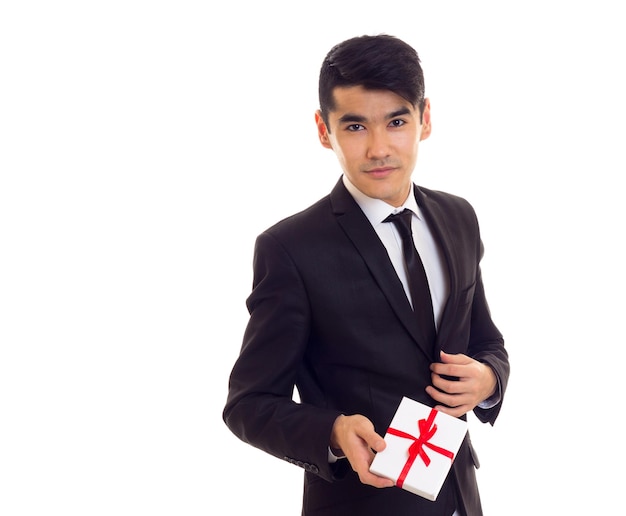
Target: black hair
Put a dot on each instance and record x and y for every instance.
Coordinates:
(380, 62)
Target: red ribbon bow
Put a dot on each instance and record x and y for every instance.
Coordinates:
(427, 428)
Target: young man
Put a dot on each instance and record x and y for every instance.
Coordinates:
(333, 311)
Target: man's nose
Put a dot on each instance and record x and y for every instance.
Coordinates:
(378, 144)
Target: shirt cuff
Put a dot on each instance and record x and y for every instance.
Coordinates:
(492, 400)
(332, 458)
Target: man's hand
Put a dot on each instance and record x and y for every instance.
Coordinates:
(356, 438)
(476, 383)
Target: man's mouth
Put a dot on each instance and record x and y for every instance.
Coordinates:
(380, 171)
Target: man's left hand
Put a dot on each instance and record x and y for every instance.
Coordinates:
(476, 382)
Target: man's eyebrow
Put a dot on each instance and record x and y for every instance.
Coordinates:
(353, 118)
(399, 112)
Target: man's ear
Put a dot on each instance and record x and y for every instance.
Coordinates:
(322, 130)
(426, 125)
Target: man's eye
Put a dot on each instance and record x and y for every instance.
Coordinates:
(397, 123)
(355, 127)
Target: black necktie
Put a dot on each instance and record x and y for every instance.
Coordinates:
(418, 283)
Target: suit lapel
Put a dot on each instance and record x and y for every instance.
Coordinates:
(444, 237)
(359, 230)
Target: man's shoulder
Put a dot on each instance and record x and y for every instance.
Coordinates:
(447, 202)
(441, 197)
(446, 206)
(313, 215)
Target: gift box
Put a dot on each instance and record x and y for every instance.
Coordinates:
(421, 445)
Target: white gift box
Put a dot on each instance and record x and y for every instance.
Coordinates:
(421, 446)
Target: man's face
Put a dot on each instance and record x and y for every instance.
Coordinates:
(375, 135)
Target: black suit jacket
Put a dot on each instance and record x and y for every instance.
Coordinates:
(329, 316)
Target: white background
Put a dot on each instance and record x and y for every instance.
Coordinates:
(143, 145)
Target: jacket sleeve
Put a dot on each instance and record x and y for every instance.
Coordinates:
(487, 345)
(260, 407)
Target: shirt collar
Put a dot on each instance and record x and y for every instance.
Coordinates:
(377, 210)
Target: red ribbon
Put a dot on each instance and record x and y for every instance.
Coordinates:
(427, 428)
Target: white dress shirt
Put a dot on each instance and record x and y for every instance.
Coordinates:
(376, 212)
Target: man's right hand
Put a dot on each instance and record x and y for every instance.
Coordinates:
(357, 440)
